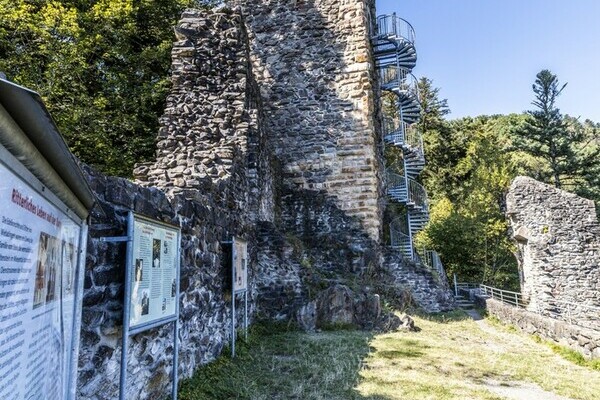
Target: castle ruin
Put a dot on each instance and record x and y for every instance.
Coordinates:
(272, 133)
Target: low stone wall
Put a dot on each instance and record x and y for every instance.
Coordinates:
(205, 310)
(585, 341)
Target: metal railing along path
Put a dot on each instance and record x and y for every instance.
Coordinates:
(578, 314)
(431, 260)
(505, 296)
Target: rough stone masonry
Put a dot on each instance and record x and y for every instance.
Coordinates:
(558, 241)
(313, 65)
(269, 135)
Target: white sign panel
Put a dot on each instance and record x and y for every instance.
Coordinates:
(153, 275)
(38, 259)
(240, 265)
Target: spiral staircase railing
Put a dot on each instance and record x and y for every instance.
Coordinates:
(399, 235)
(394, 42)
(395, 56)
(393, 26)
(417, 196)
(399, 80)
(396, 186)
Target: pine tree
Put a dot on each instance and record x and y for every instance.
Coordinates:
(547, 135)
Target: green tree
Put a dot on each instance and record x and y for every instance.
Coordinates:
(467, 226)
(101, 66)
(444, 146)
(549, 136)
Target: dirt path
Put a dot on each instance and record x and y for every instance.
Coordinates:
(512, 390)
(521, 391)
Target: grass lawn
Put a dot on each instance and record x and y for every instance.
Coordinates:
(452, 357)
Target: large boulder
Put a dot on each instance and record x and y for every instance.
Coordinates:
(335, 306)
(340, 306)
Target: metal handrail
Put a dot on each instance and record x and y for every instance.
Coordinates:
(392, 26)
(399, 235)
(573, 313)
(431, 260)
(400, 132)
(395, 181)
(396, 78)
(505, 296)
(417, 194)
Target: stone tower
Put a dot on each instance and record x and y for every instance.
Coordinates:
(313, 64)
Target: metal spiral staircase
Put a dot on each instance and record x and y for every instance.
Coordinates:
(395, 57)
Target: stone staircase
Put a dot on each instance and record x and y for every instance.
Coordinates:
(464, 302)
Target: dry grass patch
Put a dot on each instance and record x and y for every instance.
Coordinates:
(451, 358)
(455, 358)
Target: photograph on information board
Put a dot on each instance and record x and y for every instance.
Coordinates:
(153, 290)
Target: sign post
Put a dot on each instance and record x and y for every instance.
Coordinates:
(151, 284)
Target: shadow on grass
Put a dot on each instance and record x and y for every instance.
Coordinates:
(281, 363)
(392, 354)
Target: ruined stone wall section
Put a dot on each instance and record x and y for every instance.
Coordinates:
(313, 64)
(205, 312)
(429, 291)
(210, 138)
(558, 240)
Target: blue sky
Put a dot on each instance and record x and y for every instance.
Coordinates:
(484, 54)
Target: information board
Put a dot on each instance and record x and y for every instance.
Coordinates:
(240, 265)
(153, 273)
(39, 245)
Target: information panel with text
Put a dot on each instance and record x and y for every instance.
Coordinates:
(39, 247)
(154, 272)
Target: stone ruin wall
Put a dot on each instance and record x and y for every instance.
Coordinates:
(577, 337)
(313, 64)
(229, 163)
(558, 241)
(204, 303)
(211, 141)
(213, 177)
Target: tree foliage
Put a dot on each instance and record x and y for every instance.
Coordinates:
(565, 145)
(468, 227)
(101, 66)
(471, 162)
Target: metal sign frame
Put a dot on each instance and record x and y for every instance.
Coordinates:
(127, 331)
(234, 293)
